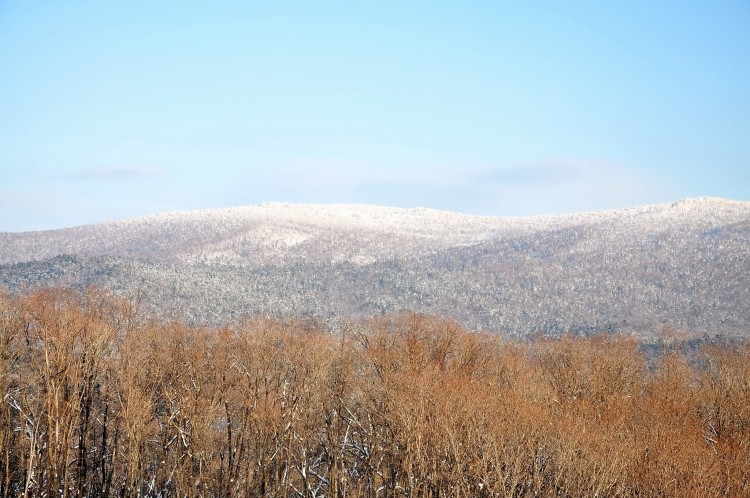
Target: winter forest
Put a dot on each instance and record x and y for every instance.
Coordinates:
(98, 401)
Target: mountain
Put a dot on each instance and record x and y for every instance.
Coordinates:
(683, 266)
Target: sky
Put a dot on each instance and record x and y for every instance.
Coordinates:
(111, 110)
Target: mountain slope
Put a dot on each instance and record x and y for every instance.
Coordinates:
(680, 266)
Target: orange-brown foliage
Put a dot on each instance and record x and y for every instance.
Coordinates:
(98, 403)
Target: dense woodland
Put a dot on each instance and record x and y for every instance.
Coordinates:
(97, 401)
(684, 265)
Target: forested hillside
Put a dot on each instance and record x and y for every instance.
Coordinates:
(682, 266)
(98, 401)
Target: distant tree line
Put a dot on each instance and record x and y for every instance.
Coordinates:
(97, 402)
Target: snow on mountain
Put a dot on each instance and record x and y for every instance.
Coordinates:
(275, 233)
(682, 265)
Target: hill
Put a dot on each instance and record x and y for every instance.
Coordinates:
(681, 266)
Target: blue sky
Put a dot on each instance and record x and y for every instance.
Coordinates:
(116, 109)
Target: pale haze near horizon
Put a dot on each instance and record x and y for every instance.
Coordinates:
(113, 110)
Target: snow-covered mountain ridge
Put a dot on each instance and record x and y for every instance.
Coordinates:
(682, 265)
(275, 233)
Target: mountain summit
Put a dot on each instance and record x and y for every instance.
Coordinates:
(679, 266)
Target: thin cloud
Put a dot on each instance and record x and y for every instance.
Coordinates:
(577, 186)
(117, 173)
(535, 174)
